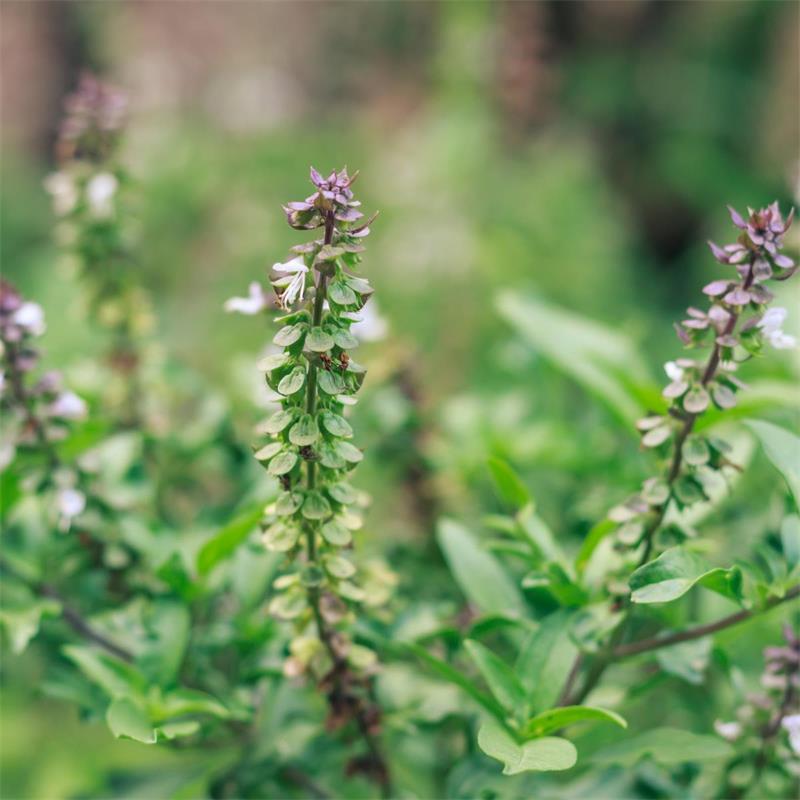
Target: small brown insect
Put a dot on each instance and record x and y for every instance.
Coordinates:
(344, 360)
(326, 361)
(307, 453)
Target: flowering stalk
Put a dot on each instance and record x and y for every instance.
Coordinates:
(87, 193)
(736, 326)
(767, 728)
(310, 453)
(36, 415)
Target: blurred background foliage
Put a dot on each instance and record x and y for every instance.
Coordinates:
(577, 154)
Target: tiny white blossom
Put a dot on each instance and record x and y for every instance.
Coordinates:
(30, 317)
(68, 406)
(771, 324)
(728, 730)
(61, 187)
(71, 502)
(255, 303)
(294, 281)
(791, 724)
(674, 372)
(100, 193)
(369, 325)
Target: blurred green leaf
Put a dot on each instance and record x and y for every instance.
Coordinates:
(688, 660)
(224, 543)
(546, 659)
(603, 361)
(452, 675)
(675, 571)
(168, 627)
(783, 450)
(538, 755)
(557, 718)
(480, 576)
(500, 678)
(113, 676)
(509, 487)
(790, 540)
(128, 721)
(668, 746)
(22, 624)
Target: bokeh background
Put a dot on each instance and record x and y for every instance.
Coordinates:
(581, 152)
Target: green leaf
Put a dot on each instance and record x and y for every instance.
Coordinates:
(318, 341)
(557, 718)
(456, 677)
(511, 489)
(182, 701)
(282, 463)
(335, 533)
(168, 625)
(128, 721)
(603, 361)
(478, 573)
(345, 339)
(330, 382)
(223, 544)
(277, 422)
(349, 452)
(500, 678)
(790, 540)
(341, 294)
(316, 506)
(546, 659)
(668, 746)
(113, 676)
(539, 755)
(304, 432)
(336, 425)
(289, 334)
(22, 624)
(293, 382)
(687, 660)
(592, 541)
(783, 450)
(675, 571)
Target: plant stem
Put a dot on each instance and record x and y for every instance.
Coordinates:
(72, 617)
(657, 642)
(326, 634)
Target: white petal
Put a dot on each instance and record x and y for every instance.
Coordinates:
(68, 406)
(791, 725)
(782, 341)
(253, 304)
(773, 319)
(728, 730)
(62, 189)
(100, 193)
(294, 266)
(674, 372)
(30, 316)
(71, 502)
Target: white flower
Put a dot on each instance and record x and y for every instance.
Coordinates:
(61, 187)
(674, 372)
(30, 317)
(771, 324)
(68, 406)
(791, 725)
(100, 193)
(70, 503)
(294, 282)
(254, 304)
(728, 730)
(369, 325)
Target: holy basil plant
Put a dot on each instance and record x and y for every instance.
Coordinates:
(609, 601)
(308, 447)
